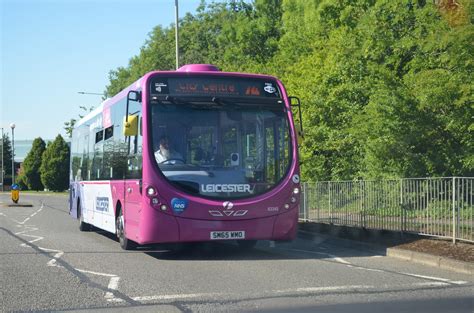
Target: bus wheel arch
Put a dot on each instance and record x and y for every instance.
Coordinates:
(118, 207)
(125, 243)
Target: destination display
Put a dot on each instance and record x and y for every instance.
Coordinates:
(216, 87)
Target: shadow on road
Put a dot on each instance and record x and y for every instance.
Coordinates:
(306, 246)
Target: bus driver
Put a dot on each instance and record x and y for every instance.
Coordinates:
(165, 153)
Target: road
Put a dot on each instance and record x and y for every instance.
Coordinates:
(47, 264)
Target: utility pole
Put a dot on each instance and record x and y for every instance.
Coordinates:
(176, 33)
(12, 125)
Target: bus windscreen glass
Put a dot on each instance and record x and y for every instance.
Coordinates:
(221, 150)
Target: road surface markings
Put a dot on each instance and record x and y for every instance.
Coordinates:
(113, 285)
(308, 291)
(350, 265)
(28, 229)
(176, 297)
(453, 282)
(335, 258)
(53, 261)
(323, 289)
(32, 215)
(113, 281)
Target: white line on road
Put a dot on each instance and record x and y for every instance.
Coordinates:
(300, 290)
(348, 264)
(454, 282)
(114, 279)
(366, 269)
(27, 230)
(176, 297)
(335, 258)
(431, 284)
(113, 285)
(325, 289)
(28, 218)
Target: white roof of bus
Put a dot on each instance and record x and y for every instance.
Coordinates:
(91, 114)
(98, 110)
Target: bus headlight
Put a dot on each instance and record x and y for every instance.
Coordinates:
(286, 206)
(293, 200)
(163, 207)
(296, 190)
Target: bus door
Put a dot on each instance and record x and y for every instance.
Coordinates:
(133, 174)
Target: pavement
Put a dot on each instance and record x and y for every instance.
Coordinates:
(432, 260)
(382, 240)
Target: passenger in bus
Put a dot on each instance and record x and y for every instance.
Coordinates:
(166, 153)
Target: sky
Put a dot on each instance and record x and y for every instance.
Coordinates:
(52, 49)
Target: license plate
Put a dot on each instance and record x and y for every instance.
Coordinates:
(223, 235)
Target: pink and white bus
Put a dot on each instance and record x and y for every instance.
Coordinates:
(228, 168)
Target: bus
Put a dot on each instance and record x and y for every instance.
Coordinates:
(231, 171)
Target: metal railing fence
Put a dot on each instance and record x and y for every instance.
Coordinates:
(440, 207)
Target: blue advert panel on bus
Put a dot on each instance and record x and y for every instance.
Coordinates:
(222, 87)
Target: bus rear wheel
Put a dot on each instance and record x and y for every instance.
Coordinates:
(125, 243)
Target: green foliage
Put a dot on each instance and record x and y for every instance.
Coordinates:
(387, 89)
(386, 86)
(20, 180)
(31, 166)
(69, 125)
(7, 155)
(55, 165)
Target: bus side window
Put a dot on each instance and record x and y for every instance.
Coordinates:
(134, 140)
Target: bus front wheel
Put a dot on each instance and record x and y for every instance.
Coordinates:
(125, 243)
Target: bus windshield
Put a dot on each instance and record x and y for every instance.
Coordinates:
(221, 149)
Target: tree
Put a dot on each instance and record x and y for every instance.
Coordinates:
(69, 126)
(55, 165)
(7, 158)
(32, 164)
(386, 86)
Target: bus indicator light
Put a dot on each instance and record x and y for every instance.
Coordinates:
(155, 201)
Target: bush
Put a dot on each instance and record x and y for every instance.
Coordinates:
(55, 165)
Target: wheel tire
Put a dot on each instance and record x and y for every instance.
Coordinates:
(125, 243)
(246, 244)
(83, 226)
